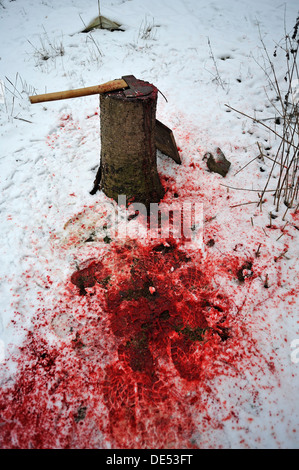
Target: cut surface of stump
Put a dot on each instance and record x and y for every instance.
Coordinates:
(128, 149)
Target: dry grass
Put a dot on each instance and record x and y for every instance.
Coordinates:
(285, 104)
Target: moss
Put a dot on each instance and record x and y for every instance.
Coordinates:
(194, 334)
(81, 413)
(135, 293)
(104, 282)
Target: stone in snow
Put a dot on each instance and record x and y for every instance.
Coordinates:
(218, 163)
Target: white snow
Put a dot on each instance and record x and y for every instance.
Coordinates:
(201, 56)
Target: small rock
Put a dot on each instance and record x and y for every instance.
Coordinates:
(218, 164)
(81, 413)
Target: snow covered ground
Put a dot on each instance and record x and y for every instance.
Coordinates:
(69, 376)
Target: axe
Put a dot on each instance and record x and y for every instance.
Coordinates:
(131, 88)
(128, 84)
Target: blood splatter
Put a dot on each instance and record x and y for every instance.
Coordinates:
(130, 365)
(128, 355)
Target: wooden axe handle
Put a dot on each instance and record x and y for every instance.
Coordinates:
(91, 90)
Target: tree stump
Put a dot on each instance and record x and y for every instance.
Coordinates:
(128, 149)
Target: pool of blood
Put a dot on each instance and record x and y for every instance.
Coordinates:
(144, 330)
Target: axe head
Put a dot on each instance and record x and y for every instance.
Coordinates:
(135, 87)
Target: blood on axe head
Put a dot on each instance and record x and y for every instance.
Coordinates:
(135, 88)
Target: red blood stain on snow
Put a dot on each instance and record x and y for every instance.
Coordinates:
(65, 125)
(140, 334)
(127, 357)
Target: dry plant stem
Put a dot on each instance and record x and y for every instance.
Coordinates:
(271, 171)
(146, 30)
(256, 120)
(16, 95)
(217, 77)
(281, 255)
(283, 184)
(14, 85)
(257, 253)
(247, 189)
(272, 160)
(90, 35)
(21, 119)
(288, 207)
(266, 284)
(241, 169)
(286, 186)
(245, 203)
(282, 231)
(287, 154)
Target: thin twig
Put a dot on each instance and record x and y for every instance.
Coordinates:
(91, 37)
(246, 165)
(281, 255)
(257, 121)
(245, 203)
(282, 231)
(21, 119)
(247, 189)
(217, 77)
(257, 253)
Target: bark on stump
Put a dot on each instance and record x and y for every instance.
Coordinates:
(128, 149)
